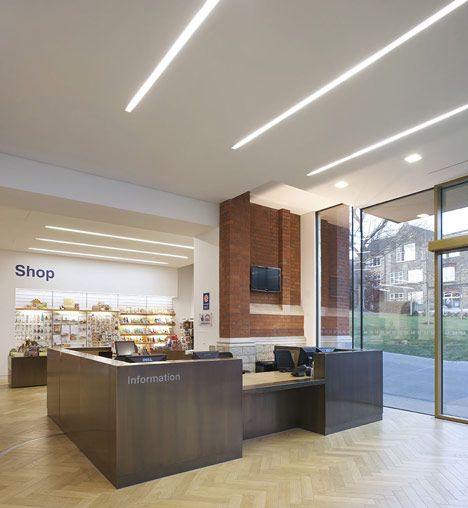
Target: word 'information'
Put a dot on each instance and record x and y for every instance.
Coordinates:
(163, 378)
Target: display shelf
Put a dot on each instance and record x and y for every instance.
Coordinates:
(145, 334)
(146, 314)
(83, 326)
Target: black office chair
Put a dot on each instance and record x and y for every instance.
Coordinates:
(284, 360)
(225, 354)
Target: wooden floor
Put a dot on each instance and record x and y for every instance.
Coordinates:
(408, 460)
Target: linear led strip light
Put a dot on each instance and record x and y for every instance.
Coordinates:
(115, 258)
(121, 249)
(118, 237)
(180, 42)
(391, 139)
(352, 72)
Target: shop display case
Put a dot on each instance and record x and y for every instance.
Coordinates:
(103, 327)
(69, 328)
(34, 325)
(149, 330)
(51, 318)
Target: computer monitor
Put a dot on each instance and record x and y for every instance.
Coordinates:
(125, 347)
(306, 356)
(145, 358)
(205, 355)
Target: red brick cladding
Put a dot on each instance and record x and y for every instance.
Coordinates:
(251, 234)
(335, 276)
(276, 326)
(275, 240)
(234, 267)
(264, 246)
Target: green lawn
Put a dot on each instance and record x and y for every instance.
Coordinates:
(412, 335)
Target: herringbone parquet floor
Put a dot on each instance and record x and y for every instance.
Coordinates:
(408, 460)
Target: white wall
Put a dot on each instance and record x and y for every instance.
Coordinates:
(73, 274)
(183, 304)
(206, 279)
(308, 276)
(32, 176)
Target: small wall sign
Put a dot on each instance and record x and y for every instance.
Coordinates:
(28, 271)
(206, 301)
(205, 319)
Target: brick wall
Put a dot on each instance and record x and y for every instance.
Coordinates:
(264, 246)
(276, 326)
(251, 234)
(335, 291)
(234, 267)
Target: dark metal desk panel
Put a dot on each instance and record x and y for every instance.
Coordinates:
(138, 422)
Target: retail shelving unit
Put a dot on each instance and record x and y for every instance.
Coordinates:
(147, 329)
(41, 317)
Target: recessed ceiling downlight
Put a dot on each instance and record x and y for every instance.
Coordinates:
(423, 215)
(341, 184)
(118, 237)
(99, 256)
(352, 72)
(107, 247)
(414, 157)
(391, 139)
(180, 42)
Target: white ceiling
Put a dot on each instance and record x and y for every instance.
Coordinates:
(69, 68)
(21, 226)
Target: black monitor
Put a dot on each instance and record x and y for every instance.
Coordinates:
(145, 358)
(125, 347)
(306, 356)
(205, 355)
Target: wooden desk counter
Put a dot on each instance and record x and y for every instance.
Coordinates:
(345, 391)
(262, 382)
(137, 422)
(141, 421)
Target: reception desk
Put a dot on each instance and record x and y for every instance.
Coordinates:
(138, 422)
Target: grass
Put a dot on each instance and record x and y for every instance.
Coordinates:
(413, 335)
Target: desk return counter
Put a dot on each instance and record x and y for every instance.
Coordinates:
(137, 422)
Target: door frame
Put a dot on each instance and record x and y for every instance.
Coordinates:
(440, 246)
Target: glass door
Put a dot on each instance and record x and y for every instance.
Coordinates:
(451, 267)
(454, 336)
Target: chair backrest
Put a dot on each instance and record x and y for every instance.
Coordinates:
(205, 355)
(225, 354)
(283, 359)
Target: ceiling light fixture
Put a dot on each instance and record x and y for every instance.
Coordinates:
(115, 258)
(391, 139)
(118, 237)
(341, 184)
(414, 157)
(121, 249)
(180, 42)
(423, 215)
(352, 72)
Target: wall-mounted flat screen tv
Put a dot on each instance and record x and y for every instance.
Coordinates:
(265, 278)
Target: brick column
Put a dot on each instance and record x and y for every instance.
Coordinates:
(284, 236)
(234, 267)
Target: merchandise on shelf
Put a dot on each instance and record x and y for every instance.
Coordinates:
(103, 327)
(29, 348)
(69, 326)
(186, 333)
(33, 325)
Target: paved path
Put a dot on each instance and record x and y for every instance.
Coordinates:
(409, 384)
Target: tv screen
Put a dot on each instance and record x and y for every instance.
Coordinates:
(265, 278)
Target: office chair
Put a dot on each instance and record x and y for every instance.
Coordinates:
(225, 354)
(283, 360)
